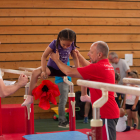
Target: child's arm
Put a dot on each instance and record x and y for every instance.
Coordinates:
(75, 58)
(124, 101)
(44, 57)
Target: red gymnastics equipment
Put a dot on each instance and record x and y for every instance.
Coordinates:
(96, 122)
(15, 119)
(71, 96)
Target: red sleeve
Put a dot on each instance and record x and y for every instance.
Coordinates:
(88, 72)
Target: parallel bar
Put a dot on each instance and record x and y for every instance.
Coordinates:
(131, 81)
(28, 69)
(16, 72)
(110, 87)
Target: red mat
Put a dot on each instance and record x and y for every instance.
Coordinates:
(130, 135)
(14, 136)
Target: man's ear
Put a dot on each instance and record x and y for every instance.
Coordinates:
(100, 55)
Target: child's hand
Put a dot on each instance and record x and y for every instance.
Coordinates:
(123, 106)
(133, 107)
(44, 75)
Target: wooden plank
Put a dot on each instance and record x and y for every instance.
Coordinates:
(78, 29)
(21, 92)
(68, 13)
(16, 65)
(44, 115)
(68, 21)
(83, 47)
(13, 77)
(37, 56)
(26, 64)
(69, 4)
(80, 38)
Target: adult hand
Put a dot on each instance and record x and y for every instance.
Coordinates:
(44, 75)
(54, 56)
(77, 52)
(22, 80)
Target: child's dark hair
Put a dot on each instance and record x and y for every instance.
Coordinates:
(66, 34)
(117, 77)
(133, 74)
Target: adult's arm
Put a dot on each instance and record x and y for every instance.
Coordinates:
(72, 72)
(82, 60)
(8, 90)
(75, 59)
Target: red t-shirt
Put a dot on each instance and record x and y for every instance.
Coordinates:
(101, 71)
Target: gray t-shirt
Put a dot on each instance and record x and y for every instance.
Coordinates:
(121, 67)
(63, 54)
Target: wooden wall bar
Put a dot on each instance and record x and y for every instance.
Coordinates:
(28, 26)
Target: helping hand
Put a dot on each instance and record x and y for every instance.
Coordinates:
(54, 56)
(22, 80)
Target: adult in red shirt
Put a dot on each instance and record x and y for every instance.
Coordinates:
(99, 70)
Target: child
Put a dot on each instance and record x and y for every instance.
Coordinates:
(121, 124)
(130, 102)
(65, 45)
(117, 79)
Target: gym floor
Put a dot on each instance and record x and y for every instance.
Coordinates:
(49, 125)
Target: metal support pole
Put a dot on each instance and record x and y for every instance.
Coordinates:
(71, 96)
(30, 114)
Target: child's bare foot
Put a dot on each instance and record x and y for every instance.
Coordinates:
(29, 100)
(85, 98)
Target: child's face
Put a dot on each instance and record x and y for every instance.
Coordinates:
(65, 43)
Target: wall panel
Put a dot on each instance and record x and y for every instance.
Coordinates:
(28, 26)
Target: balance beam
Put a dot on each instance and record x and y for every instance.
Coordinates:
(131, 81)
(16, 72)
(110, 87)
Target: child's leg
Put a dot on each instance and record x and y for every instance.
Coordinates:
(129, 118)
(84, 97)
(33, 84)
(135, 117)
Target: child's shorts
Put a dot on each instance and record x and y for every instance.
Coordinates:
(130, 107)
(55, 72)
